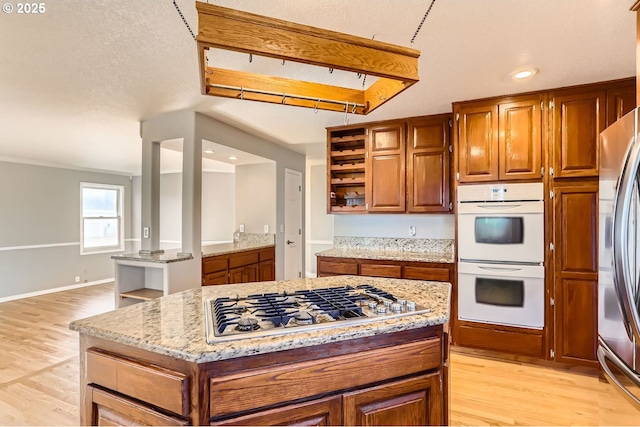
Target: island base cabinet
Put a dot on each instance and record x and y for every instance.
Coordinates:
(323, 412)
(108, 409)
(414, 402)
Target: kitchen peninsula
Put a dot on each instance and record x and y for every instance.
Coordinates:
(150, 363)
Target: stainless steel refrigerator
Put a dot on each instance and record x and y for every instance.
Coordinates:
(619, 256)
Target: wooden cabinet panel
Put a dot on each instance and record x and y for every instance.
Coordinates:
(219, 278)
(478, 142)
(251, 273)
(281, 383)
(620, 101)
(267, 271)
(578, 117)
(323, 412)
(106, 409)
(139, 380)
(386, 168)
(214, 264)
(427, 164)
(337, 266)
(381, 270)
(506, 339)
(426, 273)
(520, 139)
(413, 402)
(243, 258)
(236, 275)
(575, 272)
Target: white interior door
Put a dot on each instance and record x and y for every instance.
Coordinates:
(293, 224)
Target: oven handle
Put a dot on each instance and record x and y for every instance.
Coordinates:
(499, 268)
(498, 206)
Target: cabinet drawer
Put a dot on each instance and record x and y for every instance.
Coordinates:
(267, 254)
(243, 259)
(265, 387)
(427, 273)
(139, 380)
(214, 264)
(336, 267)
(381, 270)
(219, 278)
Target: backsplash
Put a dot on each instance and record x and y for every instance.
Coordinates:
(255, 238)
(394, 244)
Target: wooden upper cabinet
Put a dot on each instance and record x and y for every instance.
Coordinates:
(578, 117)
(500, 139)
(620, 101)
(478, 141)
(428, 188)
(520, 138)
(385, 187)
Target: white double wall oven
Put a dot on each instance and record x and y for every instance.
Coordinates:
(501, 254)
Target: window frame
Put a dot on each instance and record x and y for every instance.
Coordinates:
(119, 218)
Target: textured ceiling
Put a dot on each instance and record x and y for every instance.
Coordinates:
(76, 80)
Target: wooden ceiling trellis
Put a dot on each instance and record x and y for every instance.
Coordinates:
(222, 28)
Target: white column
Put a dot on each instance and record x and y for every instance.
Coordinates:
(192, 194)
(150, 192)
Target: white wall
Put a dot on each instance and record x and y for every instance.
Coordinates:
(256, 197)
(218, 200)
(40, 229)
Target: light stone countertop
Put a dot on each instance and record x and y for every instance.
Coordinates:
(387, 254)
(174, 325)
(171, 255)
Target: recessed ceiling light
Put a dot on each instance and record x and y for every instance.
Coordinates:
(209, 151)
(233, 158)
(523, 74)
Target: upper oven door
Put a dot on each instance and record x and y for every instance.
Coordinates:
(501, 231)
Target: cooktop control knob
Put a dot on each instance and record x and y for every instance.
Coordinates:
(411, 305)
(372, 305)
(387, 303)
(381, 309)
(401, 301)
(395, 307)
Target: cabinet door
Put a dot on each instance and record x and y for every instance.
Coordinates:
(477, 142)
(578, 117)
(428, 164)
(237, 275)
(576, 272)
(520, 138)
(412, 402)
(324, 412)
(219, 278)
(106, 409)
(251, 273)
(385, 170)
(620, 101)
(267, 271)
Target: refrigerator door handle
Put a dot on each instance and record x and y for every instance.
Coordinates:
(622, 277)
(604, 356)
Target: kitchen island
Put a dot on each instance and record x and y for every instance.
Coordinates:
(150, 363)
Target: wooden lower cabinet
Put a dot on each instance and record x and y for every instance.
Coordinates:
(575, 279)
(409, 402)
(108, 409)
(438, 272)
(321, 412)
(257, 265)
(397, 378)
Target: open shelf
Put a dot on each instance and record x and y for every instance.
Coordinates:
(144, 294)
(347, 170)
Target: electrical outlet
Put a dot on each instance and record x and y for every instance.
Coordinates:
(412, 230)
(145, 232)
(266, 229)
(77, 279)
(242, 228)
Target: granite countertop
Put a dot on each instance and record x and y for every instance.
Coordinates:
(171, 255)
(229, 248)
(174, 325)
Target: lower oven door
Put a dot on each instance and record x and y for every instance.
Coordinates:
(502, 294)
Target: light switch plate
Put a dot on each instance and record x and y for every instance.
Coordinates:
(242, 228)
(266, 229)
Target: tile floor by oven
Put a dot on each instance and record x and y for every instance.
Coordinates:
(39, 375)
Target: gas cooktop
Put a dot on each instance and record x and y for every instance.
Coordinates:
(232, 318)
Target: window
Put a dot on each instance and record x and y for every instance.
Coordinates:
(101, 228)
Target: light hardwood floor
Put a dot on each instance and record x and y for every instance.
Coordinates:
(39, 375)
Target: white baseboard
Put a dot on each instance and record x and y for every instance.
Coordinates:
(53, 290)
